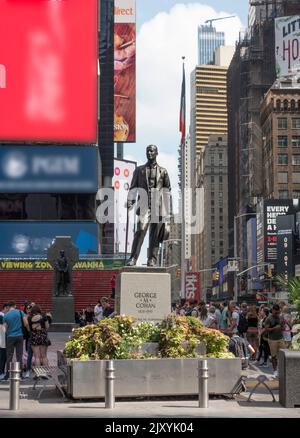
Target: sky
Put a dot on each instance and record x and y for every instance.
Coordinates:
(166, 31)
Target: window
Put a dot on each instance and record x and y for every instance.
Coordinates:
(220, 179)
(212, 243)
(212, 235)
(212, 178)
(221, 156)
(296, 177)
(278, 105)
(282, 123)
(296, 123)
(221, 243)
(282, 141)
(293, 105)
(283, 159)
(282, 177)
(221, 218)
(220, 194)
(296, 194)
(283, 194)
(212, 202)
(212, 210)
(296, 141)
(221, 210)
(285, 105)
(212, 195)
(296, 160)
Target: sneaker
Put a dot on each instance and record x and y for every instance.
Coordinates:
(26, 375)
(264, 365)
(275, 375)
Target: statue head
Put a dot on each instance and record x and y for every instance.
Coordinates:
(151, 152)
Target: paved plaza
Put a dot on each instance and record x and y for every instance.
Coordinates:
(52, 405)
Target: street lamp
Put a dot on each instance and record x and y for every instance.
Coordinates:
(235, 250)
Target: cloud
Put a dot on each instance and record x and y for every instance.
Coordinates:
(161, 42)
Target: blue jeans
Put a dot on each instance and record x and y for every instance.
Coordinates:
(29, 356)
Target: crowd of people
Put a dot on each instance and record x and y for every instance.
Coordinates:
(254, 332)
(93, 314)
(260, 331)
(23, 331)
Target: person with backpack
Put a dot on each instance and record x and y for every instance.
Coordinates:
(240, 347)
(243, 321)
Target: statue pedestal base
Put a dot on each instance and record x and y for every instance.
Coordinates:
(63, 313)
(144, 293)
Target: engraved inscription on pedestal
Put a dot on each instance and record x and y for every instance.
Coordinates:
(145, 296)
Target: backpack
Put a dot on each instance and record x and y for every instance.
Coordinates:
(238, 348)
(243, 323)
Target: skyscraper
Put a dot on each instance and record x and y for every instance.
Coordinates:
(208, 41)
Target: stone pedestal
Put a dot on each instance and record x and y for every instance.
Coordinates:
(289, 378)
(144, 293)
(63, 314)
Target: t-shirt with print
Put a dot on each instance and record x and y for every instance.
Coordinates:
(272, 321)
(14, 323)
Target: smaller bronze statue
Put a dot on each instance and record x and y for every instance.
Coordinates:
(61, 267)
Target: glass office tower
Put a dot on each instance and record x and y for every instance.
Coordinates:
(208, 41)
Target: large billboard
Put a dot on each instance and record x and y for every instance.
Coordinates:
(48, 71)
(125, 72)
(33, 238)
(48, 169)
(123, 172)
(267, 213)
(287, 45)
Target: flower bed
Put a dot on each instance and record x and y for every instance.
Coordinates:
(121, 338)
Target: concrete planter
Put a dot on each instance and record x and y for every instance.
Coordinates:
(289, 378)
(151, 377)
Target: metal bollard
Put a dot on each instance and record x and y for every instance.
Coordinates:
(203, 383)
(109, 385)
(14, 385)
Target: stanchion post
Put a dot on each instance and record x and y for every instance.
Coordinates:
(14, 385)
(109, 385)
(203, 383)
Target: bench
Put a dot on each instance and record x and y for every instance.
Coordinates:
(48, 375)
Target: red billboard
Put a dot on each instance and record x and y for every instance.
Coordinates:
(48, 70)
(125, 72)
(192, 286)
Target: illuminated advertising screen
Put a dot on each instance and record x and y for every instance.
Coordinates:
(48, 169)
(287, 45)
(125, 72)
(33, 238)
(123, 172)
(48, 71)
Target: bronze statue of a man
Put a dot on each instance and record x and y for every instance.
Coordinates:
(62, 274)
(152, 182)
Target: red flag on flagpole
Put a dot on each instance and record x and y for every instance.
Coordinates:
(182, 108)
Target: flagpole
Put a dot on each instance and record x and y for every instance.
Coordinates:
(182, 127)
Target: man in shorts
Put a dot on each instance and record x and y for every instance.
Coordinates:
(274, 326)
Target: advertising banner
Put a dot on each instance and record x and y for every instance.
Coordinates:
(33, 238)
(48, 169)
(40, 265)
(287, 45)
(267, 237)
(286, 257)
(192, 286)
(123, 172)
(125, 72)
(48, 71)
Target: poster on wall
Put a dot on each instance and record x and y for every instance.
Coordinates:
(48, 71)
(125, 72)
(287, 45)
(123, 172)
